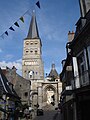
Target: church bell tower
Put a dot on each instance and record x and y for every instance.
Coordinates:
(32, 64)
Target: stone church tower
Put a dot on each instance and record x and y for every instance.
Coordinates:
(32, 65)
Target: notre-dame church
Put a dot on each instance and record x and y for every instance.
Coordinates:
(43, 91)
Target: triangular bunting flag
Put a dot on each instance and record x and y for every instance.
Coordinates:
(16, 24)
(2, 36)
(38, 4)
(29, 13)
(6, 33)
(22, 19)
(11, 28)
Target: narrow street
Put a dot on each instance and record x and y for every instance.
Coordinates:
(45, 60)
(49, 115)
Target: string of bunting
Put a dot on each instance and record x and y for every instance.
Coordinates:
(16, 23)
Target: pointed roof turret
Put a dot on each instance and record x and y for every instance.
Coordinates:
(53, 72)
(33, 29)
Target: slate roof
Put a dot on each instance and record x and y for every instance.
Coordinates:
(6, 87)
(33, 29)
(53, 72)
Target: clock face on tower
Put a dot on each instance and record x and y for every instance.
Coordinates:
(31, 62)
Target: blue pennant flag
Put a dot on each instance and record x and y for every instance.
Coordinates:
(6, 33)
(16, 23)
(38, 4)
(11, 28)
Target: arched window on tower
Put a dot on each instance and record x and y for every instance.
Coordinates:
(27, 42)
(36, 51)
(30, 74)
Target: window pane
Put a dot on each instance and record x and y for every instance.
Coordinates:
(89, 54)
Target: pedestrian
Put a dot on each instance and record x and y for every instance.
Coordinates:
(11, 115)
(26, 113)
(8, 116)
(16, 114)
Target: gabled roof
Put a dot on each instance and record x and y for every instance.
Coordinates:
(33, 29)
(5, 86)
(4, 83)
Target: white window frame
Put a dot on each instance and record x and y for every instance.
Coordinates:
(84, 80)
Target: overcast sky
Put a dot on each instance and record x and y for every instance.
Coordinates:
(54, 19)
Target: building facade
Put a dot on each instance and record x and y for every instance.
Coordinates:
(21, 85)
(75, 76)
(9, 100)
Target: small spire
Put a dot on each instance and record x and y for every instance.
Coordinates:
(53, 72)
(53, 66)
(33, 29)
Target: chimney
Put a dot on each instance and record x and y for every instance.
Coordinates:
(14, 69)
(70, 36)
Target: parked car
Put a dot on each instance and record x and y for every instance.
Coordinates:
(39, 112)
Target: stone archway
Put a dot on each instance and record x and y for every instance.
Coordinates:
(49, 95)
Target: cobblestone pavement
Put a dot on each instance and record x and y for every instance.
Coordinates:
(49, 115)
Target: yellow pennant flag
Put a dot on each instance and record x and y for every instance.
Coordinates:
(22, 19)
